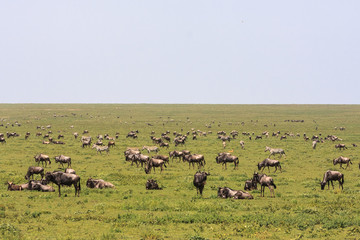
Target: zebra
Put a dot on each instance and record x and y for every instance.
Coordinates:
(151, 149)
(101, 148)
(274, 151)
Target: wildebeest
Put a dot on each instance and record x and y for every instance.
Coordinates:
(164, 145)
(60, 136)
(162, 157)
(195, 158)
(70, 170)
(176, 154)
(151, 184)
(98, 183)
(151, 148)
(225, 158)
(34, 170)
(258, 137)
(153, 163)
(2, 140)
(139, 158)
(42, 158)
(331, 176)
(200, 181)
(67, 179)
(235, 194)
(13, 187)
(342, 160)
(101, 148)
(250, 185)
(265, 181)
(267, 162)
(274, 151)
(314, 144)
(242, 144)
(63, 159)
(111, 144)
(40, 186)
(340, 146)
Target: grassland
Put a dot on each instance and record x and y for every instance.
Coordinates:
(300, 209)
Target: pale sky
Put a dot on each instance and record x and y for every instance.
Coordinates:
(236, 52)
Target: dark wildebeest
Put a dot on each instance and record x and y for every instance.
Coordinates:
(98, 183)
(250, 185)
(269, 163)
(331, 176)
(195, 158)
(235, 194)
(67, 179)
(340, 146)
(274, 151)
(342, 160)
(63, 159)
(153, 163)
(2, 140)
(258, 137)
(225, 158)
(200, 181)
(42, 158)
(265, 181)
(164, 145)
(13, 187)
(60, 136)
(151, 184)
(34, 170)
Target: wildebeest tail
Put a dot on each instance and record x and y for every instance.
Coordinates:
(272, 183)
(164, 164)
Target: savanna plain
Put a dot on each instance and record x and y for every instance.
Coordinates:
(300, 209)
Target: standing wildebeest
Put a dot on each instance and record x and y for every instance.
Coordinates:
(151, 184)
(331, 176)
(2, 140)
(342, 160)
(111, 144)
(265, 181)
(314, 144)
(139, 158)
(63, 159)
(340, 146)
(164, 145)
(200, 181)
(235, 194)
(176, 154)
(274, 151)
(67, 179)
(34, 170)
(153, 163)
(225, 158)
(42, 158)
(101, 148)
(195, 158)
(267, 162)
(98, 183)
(162, 157)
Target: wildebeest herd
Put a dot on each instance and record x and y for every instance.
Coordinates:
(68, 176)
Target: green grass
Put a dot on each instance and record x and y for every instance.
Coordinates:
(300, 209)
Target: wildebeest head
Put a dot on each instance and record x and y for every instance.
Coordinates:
(322, 184)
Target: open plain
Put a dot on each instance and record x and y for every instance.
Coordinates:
(300, 208)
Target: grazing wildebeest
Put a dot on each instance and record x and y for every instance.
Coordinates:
(176, 154)
(67, 179)
(151, 149)
(2, 140)
(265, 181)
(195, 158)
(274, 151)
(225, 158)
(101, 148)
(98, 183)
(153, 163)
(164, 145)
(340, 146)
(267, 162)
(42, 158)
(34, 170)
(76, 135)
(258, 137)
(63, 159)
(13, 187)
(331, 176)
(342, 160)
(250, 185)
(60, 136)
(151, 184)
(200, 181)
(235, 194)
(40, 186)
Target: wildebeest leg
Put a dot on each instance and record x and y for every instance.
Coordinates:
(332, 184)
(268, 168)
(275, 169)
(59, 191)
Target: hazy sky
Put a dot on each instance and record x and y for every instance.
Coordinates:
(170, 51)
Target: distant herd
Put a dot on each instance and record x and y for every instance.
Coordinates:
(68, 177)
